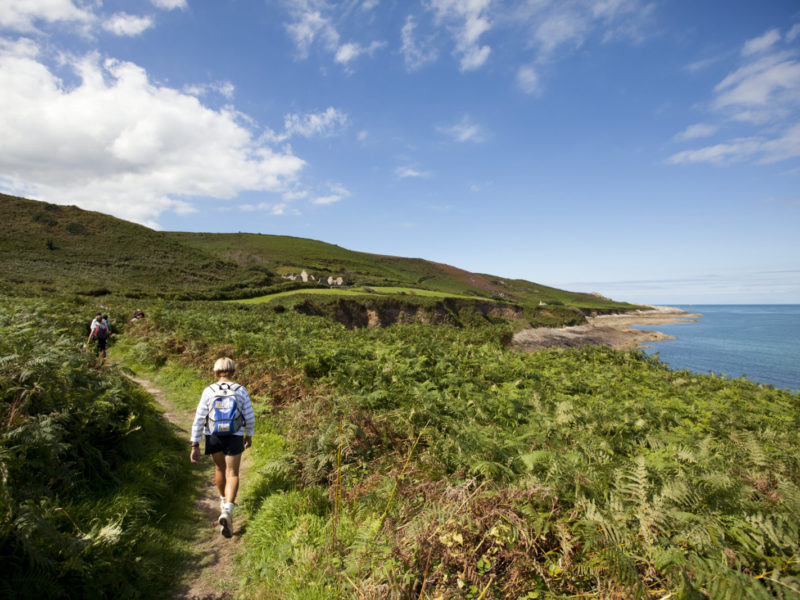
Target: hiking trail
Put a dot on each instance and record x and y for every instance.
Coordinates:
(212, 576)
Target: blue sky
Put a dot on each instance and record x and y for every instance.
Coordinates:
(646, 150)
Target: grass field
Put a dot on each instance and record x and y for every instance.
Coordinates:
(362, 291)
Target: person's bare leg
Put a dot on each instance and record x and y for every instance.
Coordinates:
(220, 471)
(231, 477)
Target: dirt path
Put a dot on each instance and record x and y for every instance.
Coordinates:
(213, 576)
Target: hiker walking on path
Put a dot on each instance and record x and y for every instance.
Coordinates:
(225, 417)
(99, 331)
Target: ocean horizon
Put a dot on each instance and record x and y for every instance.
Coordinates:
(758, 341)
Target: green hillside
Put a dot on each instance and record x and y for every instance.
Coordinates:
(64, 249)
(48, 248)
(290, 255)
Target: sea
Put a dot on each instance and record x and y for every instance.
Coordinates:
(758, 341)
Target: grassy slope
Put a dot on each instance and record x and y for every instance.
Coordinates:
(285, 254)
(63, 249)
(46, 247)
(360, 291)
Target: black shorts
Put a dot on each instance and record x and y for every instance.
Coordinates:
(230, 445)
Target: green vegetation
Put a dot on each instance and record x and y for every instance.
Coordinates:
(431, 460)
(89, 469)
(394, 457)
(51, 249)
(362, 291)
(286, 255)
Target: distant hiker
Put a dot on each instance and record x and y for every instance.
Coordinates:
(98, 332)
(225, 417)
(137, 314)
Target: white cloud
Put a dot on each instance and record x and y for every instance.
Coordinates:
(760, 44)
(468, 20)
(771, 83)
(702, 64)
(293, 194)
(558, 23)
(560, 27)
(21, 15)
(118, 143)
(793, 33)
(325, 200)
(415, 53)
(464, 131)
(312, 24)
(170, 4)
(321, 124)
(528, 79)
(128, 25)
(763, 91)
(335, 193)
(718, 154)
(350, 51)
(762, 150)
(409, 172)
(557, 28)
(696, 131)
(309, 25)
(310, 125)
(276, 210)
(224, 88)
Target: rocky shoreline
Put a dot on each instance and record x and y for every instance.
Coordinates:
(605, 330)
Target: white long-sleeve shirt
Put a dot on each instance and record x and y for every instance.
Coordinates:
(199, 426)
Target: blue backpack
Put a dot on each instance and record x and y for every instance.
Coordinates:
(224, 416)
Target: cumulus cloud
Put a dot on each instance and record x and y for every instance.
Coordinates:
(463, 131)
(118, 143)
(22, 15)
(468, 20)
(123, 24)
(762, 91)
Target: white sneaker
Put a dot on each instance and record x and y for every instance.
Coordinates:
(226, 520)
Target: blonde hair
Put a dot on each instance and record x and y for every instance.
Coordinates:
(224, 365)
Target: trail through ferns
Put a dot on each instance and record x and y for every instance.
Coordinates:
(210, 574)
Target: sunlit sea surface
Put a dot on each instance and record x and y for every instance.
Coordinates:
(758, 341)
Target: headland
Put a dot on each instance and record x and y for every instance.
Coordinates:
(612, 330)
